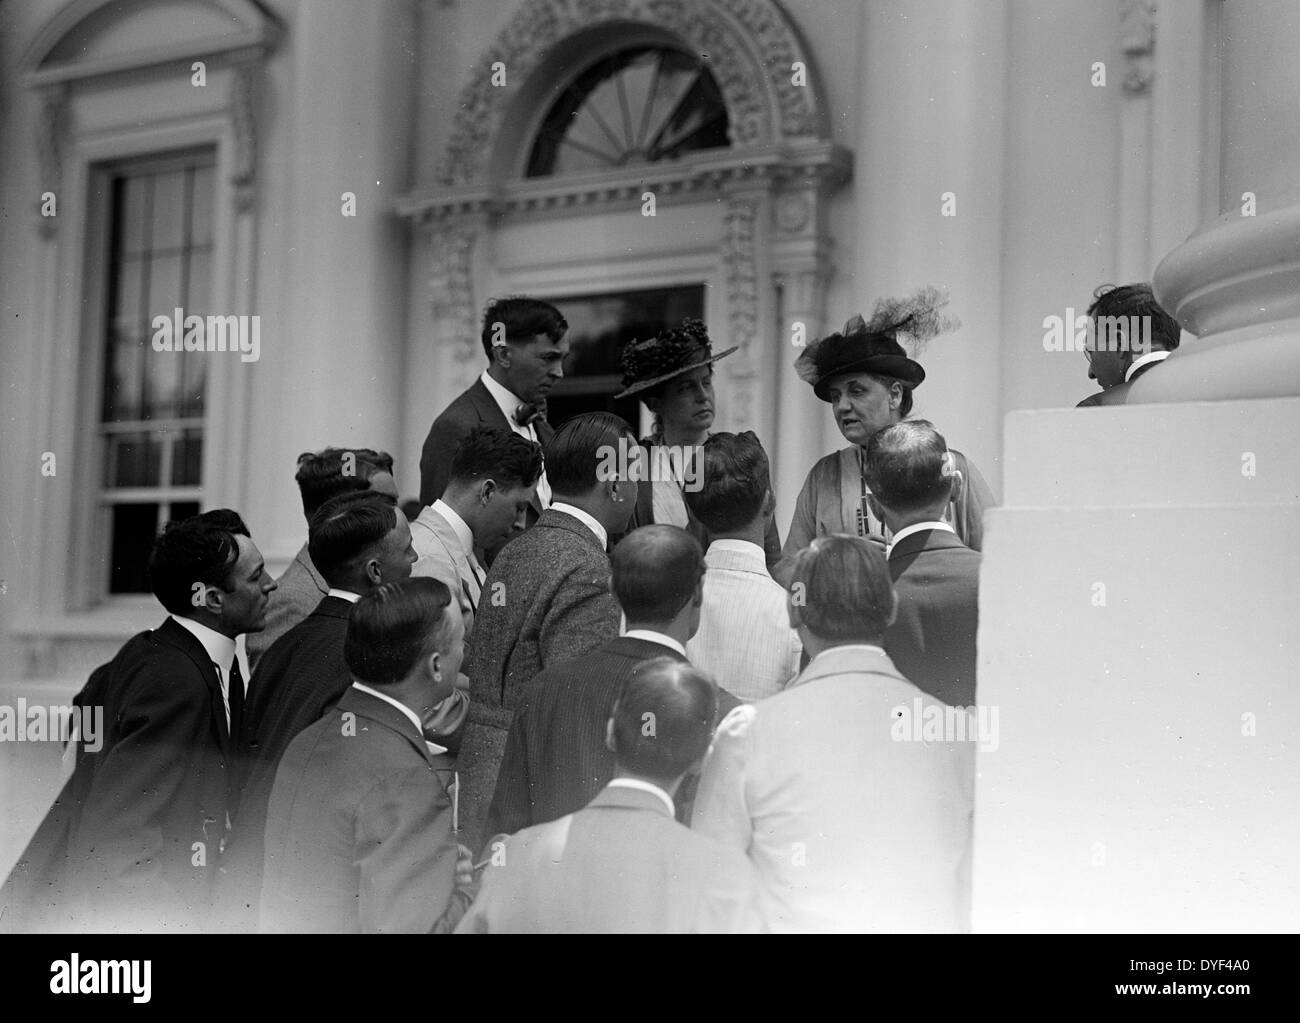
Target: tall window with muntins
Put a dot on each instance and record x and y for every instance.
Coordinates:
(638, 105)
(151, 421)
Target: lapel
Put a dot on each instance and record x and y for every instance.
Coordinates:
(173, 635)
(489, 412)
(446, 536)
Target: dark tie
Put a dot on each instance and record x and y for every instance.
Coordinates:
(236, 701)
(528, 411)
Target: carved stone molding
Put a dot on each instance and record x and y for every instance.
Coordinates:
(1137, 31)
(740, 267)
(451, 287)
(243, 111)
(763, 103)
(51, 144)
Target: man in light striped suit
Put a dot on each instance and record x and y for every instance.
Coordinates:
(744, 640)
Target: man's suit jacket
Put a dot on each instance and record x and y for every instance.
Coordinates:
(622, 865)
(473, 408)
(1117, 395)
(849, 823)
(134, 839)
(932, 640)
(440, 556)
(359, 830)
(546, 599)
(555, 758)
(301, 677)
(298, 590)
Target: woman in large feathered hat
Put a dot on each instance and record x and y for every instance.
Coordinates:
(867, 377)
(672, 373)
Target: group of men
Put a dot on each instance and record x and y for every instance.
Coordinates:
(514, 714)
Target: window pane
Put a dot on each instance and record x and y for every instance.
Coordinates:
(198, 299)
(168, 211)
(164, 285)
(132, 214)
(128, 312)
(123, 396)
(162, 387)
(187, 455)
(201, 232)
(134, 460)
(133, 530)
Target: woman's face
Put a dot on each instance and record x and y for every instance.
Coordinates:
(685, 403)
(863, 405)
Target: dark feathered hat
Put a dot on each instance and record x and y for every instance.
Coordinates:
(670, 353)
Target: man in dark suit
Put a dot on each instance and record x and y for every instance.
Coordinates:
(1131, 336)
(360, 830)
(523, 339)
(300, 588)
(359, 541)
(135, 837)
(935, 575)
(546, 597)
(556, 758)
(622, 864)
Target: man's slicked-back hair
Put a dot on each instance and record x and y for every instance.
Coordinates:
(579, 446)
(523, 318)
(655, 572)
(841, 586)
(664, 718)
(345, 527)
(200, 549)
(907, 466)
(1137, 300)
(500, 455)
(735, 481)
(393, 626)
(321, 476)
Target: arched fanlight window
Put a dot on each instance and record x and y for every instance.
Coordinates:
(635, 106)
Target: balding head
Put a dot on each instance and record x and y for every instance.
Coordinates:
(663, 720)
(909, 469)
(657, 570)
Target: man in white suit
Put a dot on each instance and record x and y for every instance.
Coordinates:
(493, 479)
(623, 864)
(850, 823)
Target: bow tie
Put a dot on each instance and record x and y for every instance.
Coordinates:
(528, 411)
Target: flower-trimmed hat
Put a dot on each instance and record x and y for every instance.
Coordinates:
(873, 347)
(671, 352)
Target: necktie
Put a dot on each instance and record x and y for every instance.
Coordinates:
(236, 701)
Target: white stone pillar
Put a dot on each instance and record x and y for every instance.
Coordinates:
(1236, 282)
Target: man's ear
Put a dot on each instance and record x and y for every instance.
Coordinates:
(486, 489)
(796, 613)
(698, 599)
(501, 355)
(435, 666)
(769, 503)
(609, 735)
(374, 572)
(211, 598)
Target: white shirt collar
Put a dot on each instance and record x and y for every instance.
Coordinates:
(645, 786)
(347, 595)
(845, 646)
(1145, 360)
(504, 397)
(918, 527)
(584, 518)
(220, 649)
(414, 717)
(737, 547)
(463, 533)
(650, 636)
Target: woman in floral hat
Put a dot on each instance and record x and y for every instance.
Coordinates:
(673, 374)
(867, 378)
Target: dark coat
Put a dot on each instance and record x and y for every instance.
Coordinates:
(546, 599)
(932, 640)
(134, 840)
